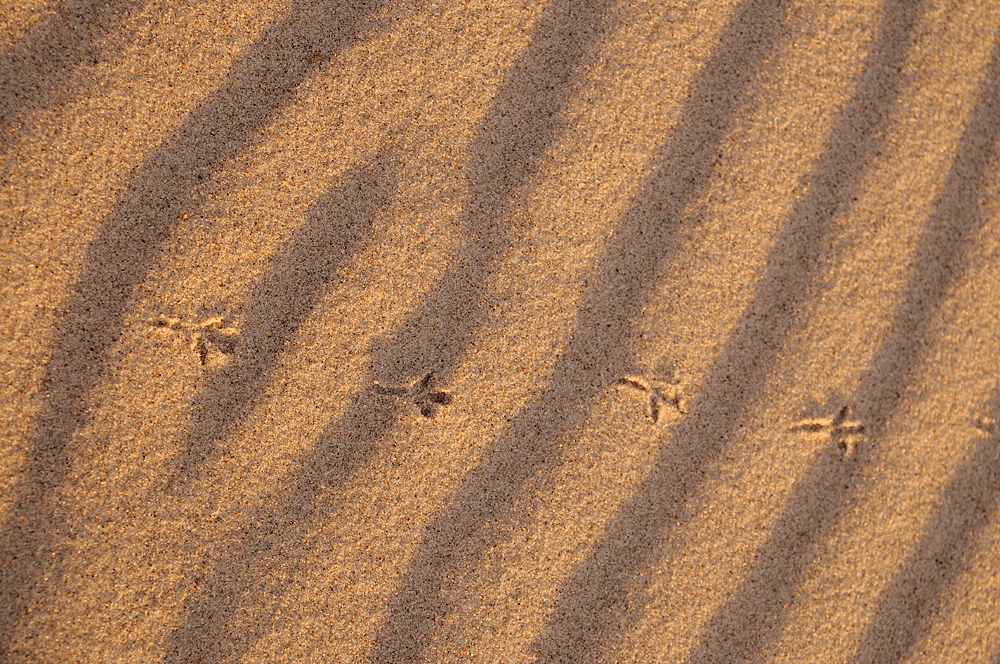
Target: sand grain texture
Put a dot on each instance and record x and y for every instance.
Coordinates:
(584, 331)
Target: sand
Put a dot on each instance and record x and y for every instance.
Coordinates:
(500, 332)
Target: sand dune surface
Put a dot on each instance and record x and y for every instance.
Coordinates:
(591, 331)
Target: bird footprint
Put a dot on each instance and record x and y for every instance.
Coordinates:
(986, 424)
(425, 398)
(205, 337)
(660, 394)
(845, 431)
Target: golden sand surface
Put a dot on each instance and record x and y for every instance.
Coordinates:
(494, 331)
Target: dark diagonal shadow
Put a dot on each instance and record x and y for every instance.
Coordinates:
(522, 460)
(36, 72)
(907, 606)
(127, 242)
(522, 124)
(524, 120)
(919, 591)
(336, 228)
(748, 625)
(594, 600)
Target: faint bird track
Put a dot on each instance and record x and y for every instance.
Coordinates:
(986, 424)
(205, 336)
(846, 432)
(426, 399)
(660, 394)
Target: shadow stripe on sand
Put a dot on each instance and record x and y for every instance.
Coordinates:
(520, 463)
(911, 600)
(39, 70)
(434, 338)
(127, 242)
(748, 625)
(594, 599)
(280, 288)
(920, 590)
(331, 235)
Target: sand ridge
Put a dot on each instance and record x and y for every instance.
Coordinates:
(485, 331)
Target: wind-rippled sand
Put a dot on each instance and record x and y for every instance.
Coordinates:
(500, 332)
